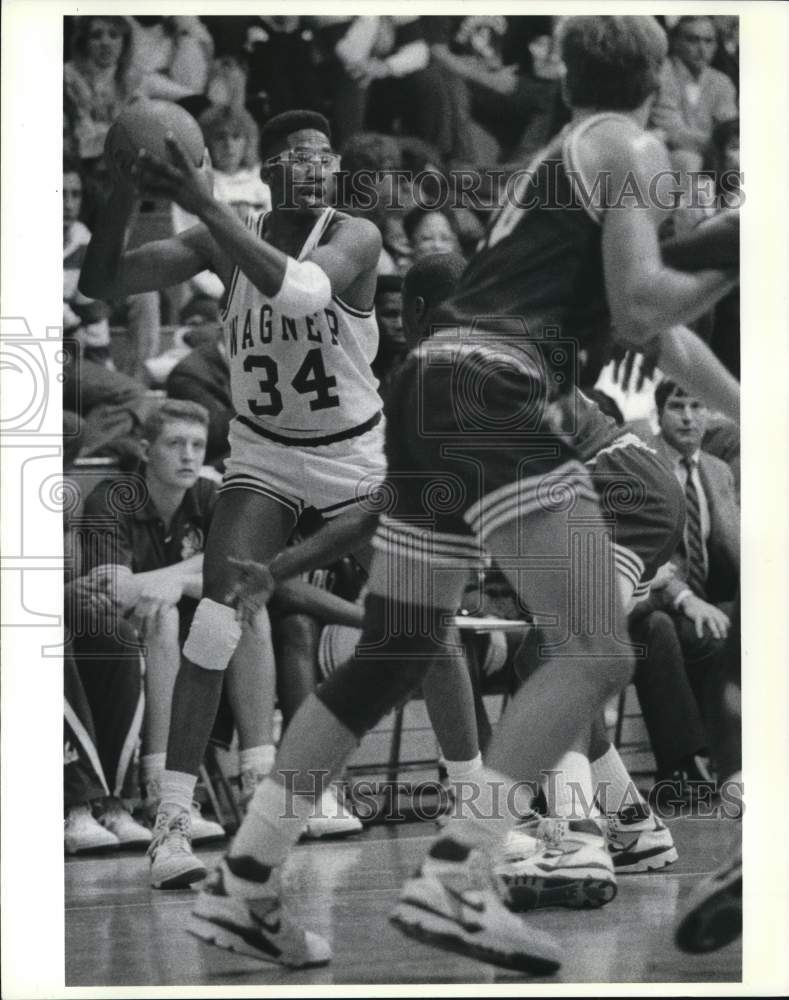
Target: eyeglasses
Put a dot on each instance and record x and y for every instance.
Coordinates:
(303, 157)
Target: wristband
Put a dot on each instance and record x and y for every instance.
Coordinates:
(678, 600)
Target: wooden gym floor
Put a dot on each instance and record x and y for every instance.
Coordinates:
(120, 932)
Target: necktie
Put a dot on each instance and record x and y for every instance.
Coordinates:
(694, 540)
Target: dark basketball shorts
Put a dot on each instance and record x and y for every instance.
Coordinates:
(470, 447)
(644, 503)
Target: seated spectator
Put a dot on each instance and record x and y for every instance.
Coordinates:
(89, 320)
(232, 138)
(170, 56)
(431, 231)
(153, 572)
(102, 716)
(83, 318)
(699, 595)
(198, 323)
(203, 376)
(425, 286)
(693, 97)
(406, 92)
(98, 79)
(392, 347)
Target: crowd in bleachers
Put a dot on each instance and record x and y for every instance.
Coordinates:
(413, 102)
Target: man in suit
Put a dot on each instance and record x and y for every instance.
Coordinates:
(698, 595)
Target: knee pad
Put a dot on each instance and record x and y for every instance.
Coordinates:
(384, 669)
(213, 636)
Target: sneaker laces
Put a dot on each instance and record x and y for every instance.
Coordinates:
(175, 829)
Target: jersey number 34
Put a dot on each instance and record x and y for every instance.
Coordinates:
(311, 378)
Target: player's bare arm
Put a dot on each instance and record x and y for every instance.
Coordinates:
(111, 272)
(645, 296)
(350, 254)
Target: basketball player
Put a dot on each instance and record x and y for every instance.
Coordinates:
(475, 414)
(645, 506)
(300, 336)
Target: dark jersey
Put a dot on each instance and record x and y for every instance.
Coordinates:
(540, 270)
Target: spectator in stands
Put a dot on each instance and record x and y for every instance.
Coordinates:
(425, 286)
(98, 79)
(431, 231)
(170, 56)
(232, 138)
(693, 97)
(342, 45)
(83, 318)
(406, 92)
(282, 74)
(203, 376)
(699, 594)
(392, 347)
(102, 715)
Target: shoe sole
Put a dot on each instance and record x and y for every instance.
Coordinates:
(93, 849)
(410, 921)
(333, 835)
(534, 893)
(221, 937)
(714, 922)
(181, 880)
(649, 864)
(209, 837)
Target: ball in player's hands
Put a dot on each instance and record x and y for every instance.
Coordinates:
(144, 125)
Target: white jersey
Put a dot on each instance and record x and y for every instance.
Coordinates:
(300, 380)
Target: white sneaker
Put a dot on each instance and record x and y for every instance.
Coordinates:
(253, 926)
(572, 868)
(332, 818)
(205, 829)
(119, 821)
(638, 841)
(454, 903)
(202, 829)
(81, 832)
(173, 866)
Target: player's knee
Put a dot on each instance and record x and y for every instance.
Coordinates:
(213, 635)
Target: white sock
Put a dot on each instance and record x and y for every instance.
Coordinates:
(177, 791)
(151, 767)
(259, 760)
(569, 791)
(459, 772)
(613, 784)
(273, 824)
(482, 816)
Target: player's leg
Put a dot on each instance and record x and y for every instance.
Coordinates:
(400, 638)
(449, 698)
(589, 662)
(246, 524)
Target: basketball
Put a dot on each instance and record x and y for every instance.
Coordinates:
(144, 125)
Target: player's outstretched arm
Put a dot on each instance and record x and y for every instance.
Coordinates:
(645, 296)
(110, 272)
